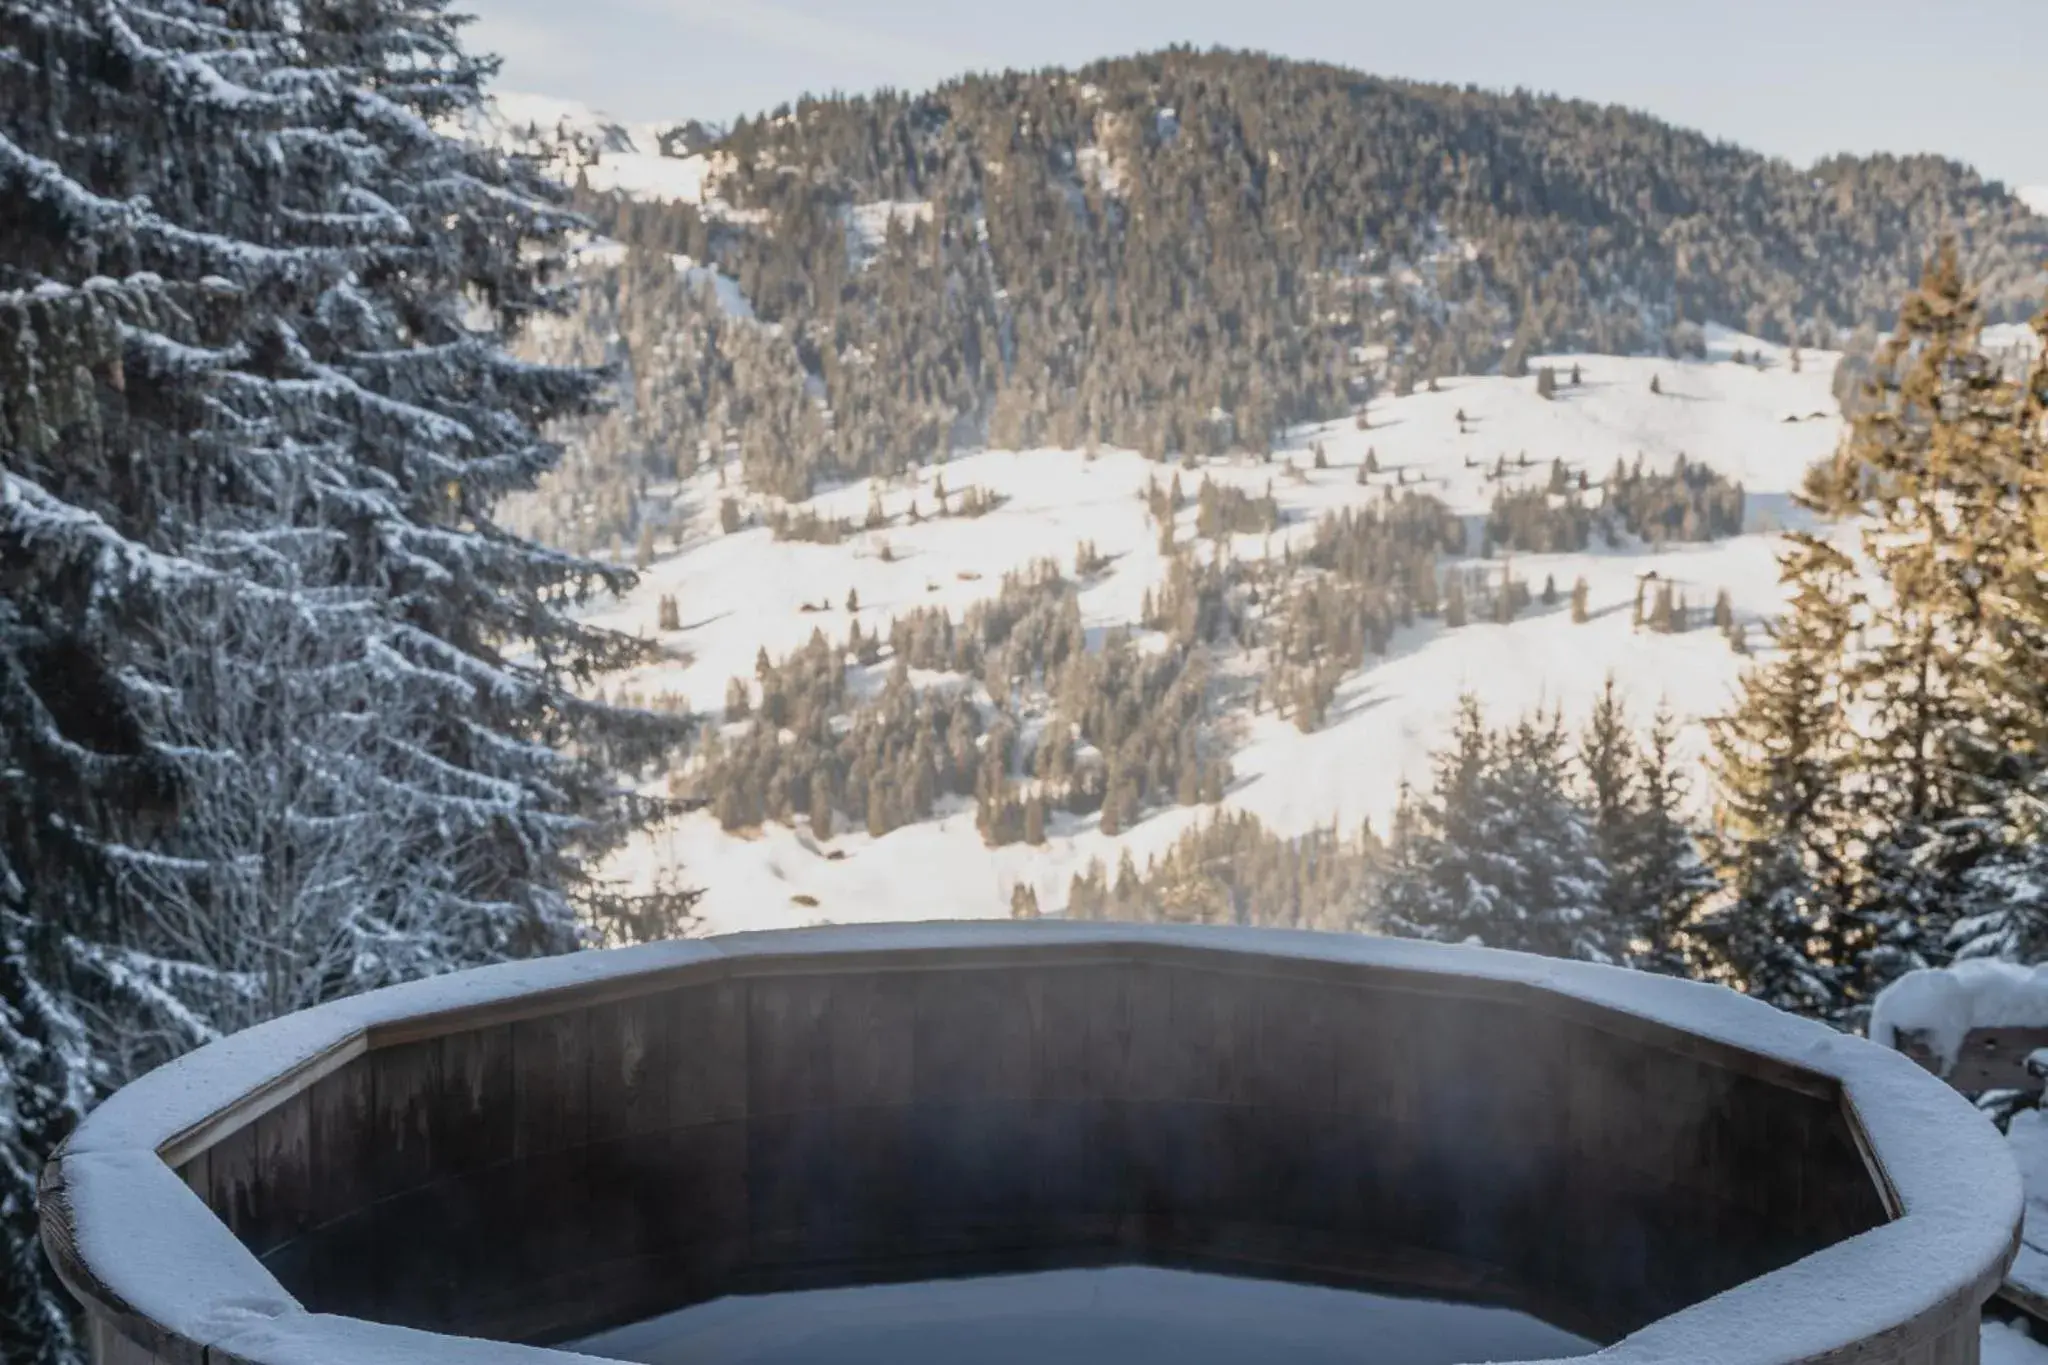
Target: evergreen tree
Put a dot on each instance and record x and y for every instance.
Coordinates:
(2000, 907)
(1023, 902)
(1610, 762)
(2001, 840)
(1499, 852)
(1937, 460)
(47, 1079)
(1635, 798)
(1454, 602)
(1664, 615)
(284, 713)
(821, 806)
(1770, 943)
(1667, 880)
(1782, 823)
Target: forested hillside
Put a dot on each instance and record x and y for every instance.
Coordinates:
(1189, 251)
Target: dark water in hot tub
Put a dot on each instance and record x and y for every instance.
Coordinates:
(1122, 1315)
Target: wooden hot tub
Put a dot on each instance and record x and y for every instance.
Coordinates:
(532, 1153)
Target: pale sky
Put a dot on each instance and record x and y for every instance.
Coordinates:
(1796, 78)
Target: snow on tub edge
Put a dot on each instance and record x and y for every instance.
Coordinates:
(1954, 1179)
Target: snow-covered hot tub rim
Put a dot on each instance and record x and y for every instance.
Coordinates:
(145, 1252)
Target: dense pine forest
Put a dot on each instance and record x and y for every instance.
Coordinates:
(319, 425)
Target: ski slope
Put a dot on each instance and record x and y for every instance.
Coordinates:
(744, 592)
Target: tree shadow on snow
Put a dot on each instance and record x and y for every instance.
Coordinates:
(1356, 706)
(699, 625)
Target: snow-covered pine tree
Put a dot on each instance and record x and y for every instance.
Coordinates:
(1781, 823)
(107, 312)
(1918, 465)
(1565, 885)
(1609, 764)
(46, 1082)
(1944, 463)
(2001, 905)
(1668, 880)
(1428, 892)
(1635, 797)
(1768, 943)
(1500, 852)
(283, 713)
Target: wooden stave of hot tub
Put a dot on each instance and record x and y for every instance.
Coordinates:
(1138, 1055)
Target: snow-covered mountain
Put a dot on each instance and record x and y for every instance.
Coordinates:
(743, 592)
(1762, 423)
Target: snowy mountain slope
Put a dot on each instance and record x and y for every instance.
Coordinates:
(572, 139)
(744, 592)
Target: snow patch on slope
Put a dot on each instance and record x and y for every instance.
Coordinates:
(1097, 167)
(724, 288)
(867, 225)
(571, 139)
